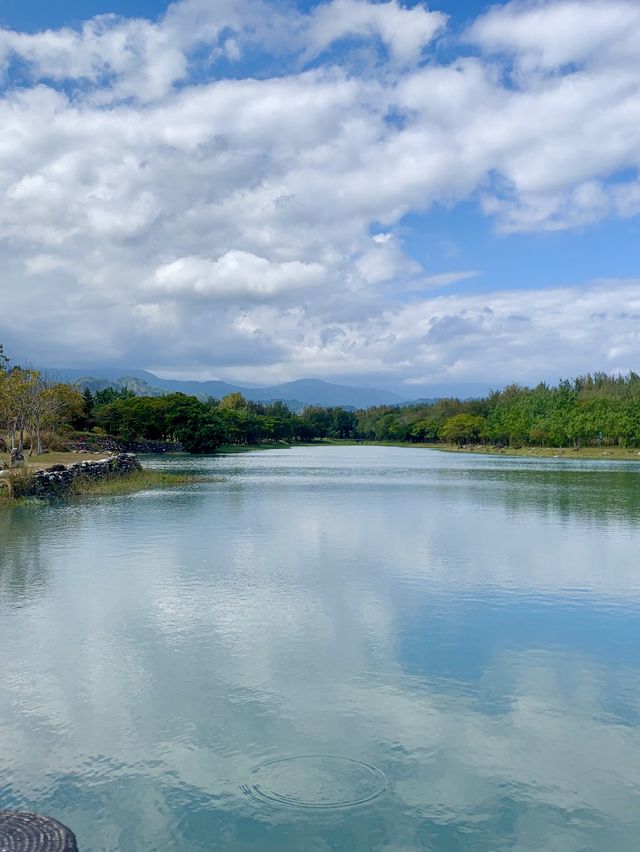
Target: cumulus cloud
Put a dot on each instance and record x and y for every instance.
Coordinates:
(549, 35)
(236, 274)
(139, 177)
(405, 32)
(506, 335)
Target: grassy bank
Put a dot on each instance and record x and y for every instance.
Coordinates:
(47, 459)
(585, 453)
(140, 480)
(604, 453)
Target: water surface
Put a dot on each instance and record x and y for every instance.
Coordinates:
(330, 648)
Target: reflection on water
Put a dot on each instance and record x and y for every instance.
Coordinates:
(466, 626)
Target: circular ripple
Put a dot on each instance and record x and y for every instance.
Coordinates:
(316, 781)
(24, 832)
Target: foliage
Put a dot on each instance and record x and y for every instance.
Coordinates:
(592, 410)
(30, 406)
(135, 481)
(107, 395)
(462, 429)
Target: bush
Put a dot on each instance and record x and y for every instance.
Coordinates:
(52, 442)
(18, 483)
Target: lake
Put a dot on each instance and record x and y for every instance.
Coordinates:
(330, 648)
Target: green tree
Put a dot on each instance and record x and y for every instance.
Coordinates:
(234, 402)
(462, 429)
(108, 395)
(89, 404)
(317, 422)
(344, 424)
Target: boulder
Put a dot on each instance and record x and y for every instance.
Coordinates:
(25, 832)
(17, 458)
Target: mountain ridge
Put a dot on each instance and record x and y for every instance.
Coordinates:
(300, 392)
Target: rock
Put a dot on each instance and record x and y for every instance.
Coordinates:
(25, 832)
(17, 457)
(57, 480)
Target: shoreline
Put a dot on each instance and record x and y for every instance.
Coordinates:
(142, 478)
(110, 476)
(567, 453)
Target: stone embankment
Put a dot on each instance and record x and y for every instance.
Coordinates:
(59, 479)
(98, 444)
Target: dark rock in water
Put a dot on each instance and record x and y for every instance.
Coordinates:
(25, 832)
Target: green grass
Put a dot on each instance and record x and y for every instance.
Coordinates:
(47, 459)
(139, 480)
(610, 453)
(13, 488)
(12, 503)
(5, 496)
(618, 453)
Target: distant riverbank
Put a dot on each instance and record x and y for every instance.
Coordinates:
(585, 453)
(604, 453)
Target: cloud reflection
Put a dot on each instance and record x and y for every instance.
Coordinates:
(181, 641)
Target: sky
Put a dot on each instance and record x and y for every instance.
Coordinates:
(382, 194)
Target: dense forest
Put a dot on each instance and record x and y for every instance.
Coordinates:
(202, 427)
(37, 414)
(592, 410)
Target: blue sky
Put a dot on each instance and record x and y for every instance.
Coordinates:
(33, 15)
(401, 195)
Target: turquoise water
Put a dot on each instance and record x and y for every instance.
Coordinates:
(331, 648)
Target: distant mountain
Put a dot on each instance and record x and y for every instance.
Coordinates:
(138, 386)
(297, 393)
(460, 390)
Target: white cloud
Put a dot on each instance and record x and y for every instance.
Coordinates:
(135, 182)
(549, 35)
(443, 279)
(137, 57)
(404, 31)
(234, 275)
(506, 335)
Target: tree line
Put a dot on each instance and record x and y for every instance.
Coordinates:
(39, 413)
(592, 410)
(203, 426)
(596, 409)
